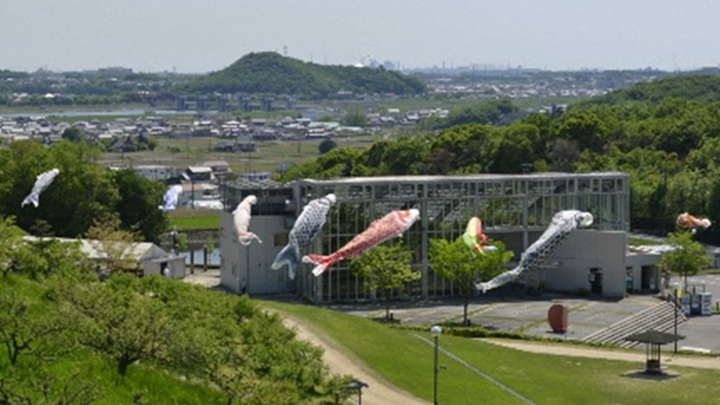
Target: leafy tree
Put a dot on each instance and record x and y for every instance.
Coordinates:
(119, 323)
(82, 191)
(25, 331)
(468, 145)
(405, 156)
(687, 256)
(73, 134)
(491, 112)
(41, 387)
(355, 118)
(385, 268)
(113, 244)
(326, 146)
(10, 239)
(138, 205)
(46, 257)
(563, 155)
(585, 128)
(456, 262)
(516, 148)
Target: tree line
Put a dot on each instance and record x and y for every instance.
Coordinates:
(670, 146)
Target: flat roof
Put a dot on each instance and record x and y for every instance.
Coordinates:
(472, 177)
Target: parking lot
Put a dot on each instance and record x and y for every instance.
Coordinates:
(529, 316)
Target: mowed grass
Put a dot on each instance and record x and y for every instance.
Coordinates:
(407, 362)
(194, 219)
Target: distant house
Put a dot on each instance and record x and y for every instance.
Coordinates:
(220, 168)
(245, 147)
(194, 193)
(143, 257)
(197, 174)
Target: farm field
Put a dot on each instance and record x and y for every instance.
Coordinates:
(267, 157)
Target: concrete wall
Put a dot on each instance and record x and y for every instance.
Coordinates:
(636, 264)
(249, 266)
(584, 250)
(175, 267)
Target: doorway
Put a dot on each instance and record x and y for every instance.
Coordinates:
(595, 279)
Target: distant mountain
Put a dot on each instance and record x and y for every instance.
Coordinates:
(272, 73)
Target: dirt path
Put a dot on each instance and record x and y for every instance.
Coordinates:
(668, 359)
(379, 391)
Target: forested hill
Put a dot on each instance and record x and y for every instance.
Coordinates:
(699, 88)
(665, 134)
(271, 73)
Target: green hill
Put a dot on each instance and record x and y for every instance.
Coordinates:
(700, 88)
(271, 73)
(70, 339)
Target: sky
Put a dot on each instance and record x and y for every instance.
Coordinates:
(200, 36)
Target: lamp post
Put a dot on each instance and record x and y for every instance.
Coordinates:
(677, 305)
(435, 331)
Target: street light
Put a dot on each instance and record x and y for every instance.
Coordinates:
(676, 306)
(435, 331)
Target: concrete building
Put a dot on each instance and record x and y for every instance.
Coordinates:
(515, 209)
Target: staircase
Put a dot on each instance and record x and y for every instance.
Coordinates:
(660, 317)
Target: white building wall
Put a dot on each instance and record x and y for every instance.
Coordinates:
(584, 250)
(250, 265)
(635, 262)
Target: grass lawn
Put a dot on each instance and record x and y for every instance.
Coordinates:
(407, 362)
(194, 219)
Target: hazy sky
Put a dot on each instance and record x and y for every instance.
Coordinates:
(197, 36)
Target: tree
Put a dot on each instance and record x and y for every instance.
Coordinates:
(386, 268)
(25, 331)
(46, 257)
(585, 128)
(516, 149)
(73, 134)
(687, 256)
(10, 239)
(82, 191)
(138, 205)
(41, 387)
(118, 322)
(113, 244)
(355, 118)
(326, 146)
(456, 262)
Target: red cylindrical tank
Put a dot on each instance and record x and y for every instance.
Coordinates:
(558, 318)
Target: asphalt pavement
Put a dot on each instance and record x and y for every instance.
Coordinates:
(529, 315)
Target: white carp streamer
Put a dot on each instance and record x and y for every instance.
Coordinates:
(563, 223)
(241, 220)
(42, 181)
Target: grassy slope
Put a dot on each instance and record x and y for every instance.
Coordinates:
(158, 386)
(406, 361)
